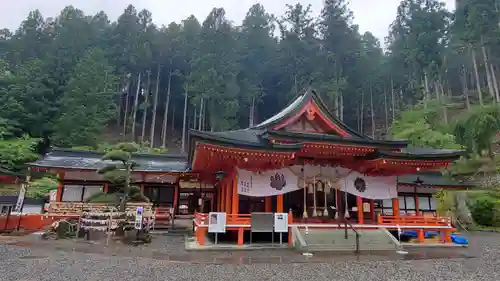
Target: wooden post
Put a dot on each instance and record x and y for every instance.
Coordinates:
(176, 197)
(279, 203)
(420, 236)
(106, 188)
(60, 187)
(359, 204)
(219, 197)
(236, 199)
(338, 201)
(395, 207)
(142, 188)
(417, 205)
(228, 196)
(240, 235)
(290, 221)
(372, 210)
(268, 201)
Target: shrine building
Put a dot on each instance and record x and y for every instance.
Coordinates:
(302, 161)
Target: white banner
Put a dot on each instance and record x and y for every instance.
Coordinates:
(268, 183)
(20, 198)
(293, 178)
(370, 187)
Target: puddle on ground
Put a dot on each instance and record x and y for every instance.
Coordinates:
(32, 257)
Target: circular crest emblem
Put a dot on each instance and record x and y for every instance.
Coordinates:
(360, 184)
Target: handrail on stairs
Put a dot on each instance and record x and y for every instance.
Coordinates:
(346, 224)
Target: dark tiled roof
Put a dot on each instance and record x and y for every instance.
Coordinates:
(90, 160)
(309, 95)
(421, 154)
(249, 138)
(433, 179)
(304, 136)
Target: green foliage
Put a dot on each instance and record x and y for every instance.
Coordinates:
(485, 210)
(477, 128)
(39, 188)
(87, 103)
(415, 125)
(104, 198)
(15, 152)
(134, 196)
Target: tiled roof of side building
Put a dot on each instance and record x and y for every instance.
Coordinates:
(420, 154)
(435, 179)
(90, 160)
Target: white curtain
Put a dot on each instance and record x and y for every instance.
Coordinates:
(267, 183)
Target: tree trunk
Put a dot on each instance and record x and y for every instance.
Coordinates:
(372, 111)
(251, 113)
(183, 142)
(126, 187)
(362, 113)
(125, 114)
(426, 90)
(200, 118)
(173, 121)
(489, 79)
(341, 107)
(494, 82)
(476, 74)
(136, 101)
(155, 105)
(146, 107)
(120, 105)
(463, 79)
(444, 101)
(165, 113)
(386, 110)
(336, 104)
(393, 102)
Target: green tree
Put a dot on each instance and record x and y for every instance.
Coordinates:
(87, 103)
(120, 172)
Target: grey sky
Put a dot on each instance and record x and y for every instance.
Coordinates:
(370, 15)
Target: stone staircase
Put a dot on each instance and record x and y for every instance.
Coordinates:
(315, 240)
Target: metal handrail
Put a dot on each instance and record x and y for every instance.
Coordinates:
(346, 223)
(462, 226)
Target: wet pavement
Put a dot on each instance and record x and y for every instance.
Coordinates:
(166, 259)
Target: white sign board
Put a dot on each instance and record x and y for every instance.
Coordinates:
(138, 218)
(20, 198)
(216, 222)
(281, 222)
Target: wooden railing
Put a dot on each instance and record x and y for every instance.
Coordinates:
(201, 219)
(415, 221)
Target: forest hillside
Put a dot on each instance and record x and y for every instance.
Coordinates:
(80, 80)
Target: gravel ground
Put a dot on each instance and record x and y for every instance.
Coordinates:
(170, 262)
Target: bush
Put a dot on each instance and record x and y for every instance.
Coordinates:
(484, 210)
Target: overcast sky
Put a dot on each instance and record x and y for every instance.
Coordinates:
(370, 15)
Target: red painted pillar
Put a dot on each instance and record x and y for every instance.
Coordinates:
(279, 203)
(395, 207)
(228, 196)
(236, 198)
(372, 210)
(359, 204)
(268, 204)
